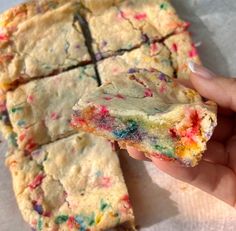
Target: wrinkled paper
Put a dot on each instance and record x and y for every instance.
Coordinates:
(161, 202)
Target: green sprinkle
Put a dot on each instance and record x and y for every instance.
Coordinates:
(103, 205)
(61, 219)
(16, 109)
(40, 224)
(164, 150)
(164, 6)
(12, 139)
(90, 219)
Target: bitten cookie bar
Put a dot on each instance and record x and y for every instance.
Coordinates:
(26, 54)
(150, 112)
(133, 22)
(151, 57)
(40, 110)
(182, 50)
(72, 184)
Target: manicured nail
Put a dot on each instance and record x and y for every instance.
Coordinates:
(200, 70)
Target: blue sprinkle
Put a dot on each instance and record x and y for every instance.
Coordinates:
(132, 70)
(38, 208)
(80, 220)
(21, 123)
(132, 127)
(98, 56)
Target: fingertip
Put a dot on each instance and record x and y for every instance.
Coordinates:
(134, 153)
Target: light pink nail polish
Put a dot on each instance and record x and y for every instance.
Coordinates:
(200, 70)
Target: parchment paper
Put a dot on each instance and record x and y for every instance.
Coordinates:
(161, 202)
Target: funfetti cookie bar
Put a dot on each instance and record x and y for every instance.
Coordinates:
(154, 56)
(182, 50)
(40, 110)
(150, 112)
(72, 184)
(42, 45)
(130, 23)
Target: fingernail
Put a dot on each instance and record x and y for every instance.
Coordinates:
(200, 70)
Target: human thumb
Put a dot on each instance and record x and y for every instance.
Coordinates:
(218, 89)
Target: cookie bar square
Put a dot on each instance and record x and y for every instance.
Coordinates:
(72, 184)
(40, 110)
(182, 50)
(43, 45)
(154, 56)
(130, 23)
(151, 112)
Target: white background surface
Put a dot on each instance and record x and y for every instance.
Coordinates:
(161, 202)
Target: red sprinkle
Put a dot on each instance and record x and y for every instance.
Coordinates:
(30, 145)
(104, 111)
(193, 52)
(107, 98)
(148, 92)
(4, 37)
(173, 133)
(30, 99)
(71, 222)
(36, 181)
(140, 16)
(22, 136)
(126, 199)
(119, 96)
(174, 47)
(77, 120)
(54, 116)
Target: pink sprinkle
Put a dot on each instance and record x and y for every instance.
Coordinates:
(186, 25)
(174, 47)
(105, 182)
(3, 37)
(30, 99)
(154, 48)
(140, 16)
(115, 70)
(119, 96)
(162, 89)
(107, 98)
(54, 116)
(148, 92)
(103, 111)
(193, 52)
(3, 106)
(36, 182)
(121, 15)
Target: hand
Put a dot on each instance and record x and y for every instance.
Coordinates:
(216, 173)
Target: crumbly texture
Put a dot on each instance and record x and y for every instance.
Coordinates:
(151, 112)
(40, 110)
(133, 23)
(73, 184)
(154, 56)
(22, 61)
(182, 50)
